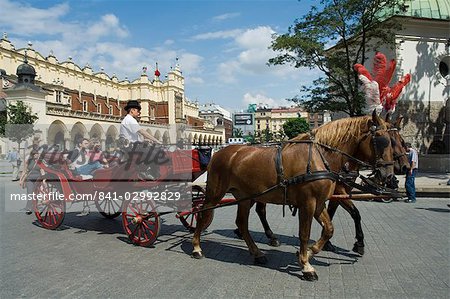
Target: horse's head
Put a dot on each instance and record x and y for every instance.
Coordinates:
(376, 148)
(401, 163)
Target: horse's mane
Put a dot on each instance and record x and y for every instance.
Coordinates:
(339, 132)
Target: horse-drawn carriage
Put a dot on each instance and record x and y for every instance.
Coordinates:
(119, 190)
(297, 173)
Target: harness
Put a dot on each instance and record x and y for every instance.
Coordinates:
(397, 156)
(345, 177)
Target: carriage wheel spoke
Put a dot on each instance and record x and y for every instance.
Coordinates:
(139, 232)
(151, 232)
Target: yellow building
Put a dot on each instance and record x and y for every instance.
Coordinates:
(76, 101)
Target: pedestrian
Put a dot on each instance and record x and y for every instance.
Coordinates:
(410, 184)
(29, 177)
(14, 160)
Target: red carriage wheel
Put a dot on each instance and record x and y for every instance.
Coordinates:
(109, 208)
(198, 198)
(140, 222)
(49, 210)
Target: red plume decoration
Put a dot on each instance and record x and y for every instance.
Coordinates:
(382, 75)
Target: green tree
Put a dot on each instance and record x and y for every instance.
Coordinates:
(294, 126)
(266, 135)
(19, 124)
(355, 26)
(250, 138)
(238, 133)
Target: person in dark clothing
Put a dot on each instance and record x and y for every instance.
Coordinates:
(29, 176)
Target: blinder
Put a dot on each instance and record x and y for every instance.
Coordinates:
(379, 144)
(396, 156)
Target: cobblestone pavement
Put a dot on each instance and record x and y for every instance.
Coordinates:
(407, 256)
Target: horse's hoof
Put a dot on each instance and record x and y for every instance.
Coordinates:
(358, 248)
(329, 247)
(310, 276)
(261, 260)
(197, 255)
(274, 242)
(237, 233)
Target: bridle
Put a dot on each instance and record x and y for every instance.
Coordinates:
(397, 156)
(378, 162)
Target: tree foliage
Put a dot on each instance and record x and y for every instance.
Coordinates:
(294, 126)
(238, 133)
(355, 27)
(19, 124)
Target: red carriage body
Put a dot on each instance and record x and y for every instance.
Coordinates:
(139, 216)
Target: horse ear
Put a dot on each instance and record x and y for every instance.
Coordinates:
(398, 121)
(388, 117)
(375, 118)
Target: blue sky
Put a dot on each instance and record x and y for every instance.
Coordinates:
(222, 45)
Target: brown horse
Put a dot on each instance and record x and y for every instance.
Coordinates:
(401, 165)
(249, 172)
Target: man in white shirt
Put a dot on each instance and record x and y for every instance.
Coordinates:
(131, 131)
(130, 128)
(410, 184)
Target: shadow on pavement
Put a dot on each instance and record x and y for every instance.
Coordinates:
(233, 250)
(439, 210)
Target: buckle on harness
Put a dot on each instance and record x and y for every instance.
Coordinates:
(284, 183)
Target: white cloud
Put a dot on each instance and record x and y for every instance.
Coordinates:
(27, 20)
(108, 25)
(191, 63)
(99, 43)
(253, 55)
(226, 16)
(195, 80)
(259, 37)
(264, 100)
(218, 34)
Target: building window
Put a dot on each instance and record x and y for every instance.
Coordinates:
(85, 106)
(99, 108)
(58, 96)
(152, 112)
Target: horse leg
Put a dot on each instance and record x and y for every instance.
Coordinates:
(211, 200)
(348, 205)
(305, 221)
(327, 230)
(203, 218)
(261, 211)
(332, 207)
(242, 224)
(236, 231)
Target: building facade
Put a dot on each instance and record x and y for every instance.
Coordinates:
(76, 101)
(422, 50)
(218, 117)
(271, 120)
